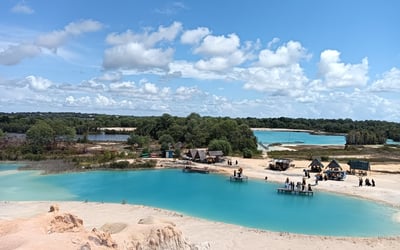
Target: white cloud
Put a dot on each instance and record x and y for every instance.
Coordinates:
(16, 53)
(188, 70)
(278, 72)
(55, 39)
(220, 63)
(147, 39)
(110, 76)
(280, 80)
(336, 74)
(194, 36)
(150, 88)
(137, 52)
(81, 101)
(122, 86)
(285, 55)
(22, 8)
(37, 83)
(136, 56)
(104, 101)
(218, 45)
(389, 82)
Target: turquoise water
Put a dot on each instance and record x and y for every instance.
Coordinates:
(254, 204)
(293, 137)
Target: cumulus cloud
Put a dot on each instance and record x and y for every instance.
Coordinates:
(122, 86)
(136, 56)
(138, 51)
(220, 63)
(22, 8)
(278, 72)
(337, 74)
(285, 55)
(36, 83)
(55, 39)
(194, 36)
(104, 101)
(389, 82)
(278, 80)
(80, 101)
(16, 53)
(146, 39)
(218, 45)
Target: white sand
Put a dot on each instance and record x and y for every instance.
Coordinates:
(205, 234)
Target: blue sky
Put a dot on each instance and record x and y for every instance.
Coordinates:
(257, 58)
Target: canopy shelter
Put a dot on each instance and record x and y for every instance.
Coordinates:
(334, 164)
(358, 165)
(316, 165)
(215, 156)
(334, 171)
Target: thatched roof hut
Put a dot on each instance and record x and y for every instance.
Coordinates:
(334, 164)
(316, 165)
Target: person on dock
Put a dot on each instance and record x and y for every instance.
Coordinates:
(234, 173)
(309, 188)
(360, 182)
(373, 182)
(240, 171)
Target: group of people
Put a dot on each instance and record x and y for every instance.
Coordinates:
(238, 173)
(367, 182)
(230, 163)
(299, 186)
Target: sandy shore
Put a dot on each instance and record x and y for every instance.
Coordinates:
(195, 233)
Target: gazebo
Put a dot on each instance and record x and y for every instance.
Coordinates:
(334, 171)
(316, 166)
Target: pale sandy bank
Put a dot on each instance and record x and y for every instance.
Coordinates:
(16, 232)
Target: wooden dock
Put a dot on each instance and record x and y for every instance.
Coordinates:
(195, 170)
(238, 179)
(296, 192)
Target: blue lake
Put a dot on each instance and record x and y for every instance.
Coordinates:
(294, 137)
(253, 204)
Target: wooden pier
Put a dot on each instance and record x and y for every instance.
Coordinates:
(238, 179)
(195, 170)
(296, 192)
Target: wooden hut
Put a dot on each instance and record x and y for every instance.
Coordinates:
(316, 166)
(334, 171)
(215, 156)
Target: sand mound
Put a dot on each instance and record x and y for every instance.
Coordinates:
(113, 228)
(56, 230)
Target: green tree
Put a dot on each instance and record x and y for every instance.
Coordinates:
(138, 140)
(219, 144)
(39, 137)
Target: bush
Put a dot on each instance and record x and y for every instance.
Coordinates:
(119, 164)
(247, 153)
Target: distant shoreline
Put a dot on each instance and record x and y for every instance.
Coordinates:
(313, 132)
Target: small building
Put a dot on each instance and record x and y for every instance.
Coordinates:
(334, 171)
(361, 166)
(169, 154)
(316, 165)
(215, 156)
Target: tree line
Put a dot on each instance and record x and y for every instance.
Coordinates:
(197, 131)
